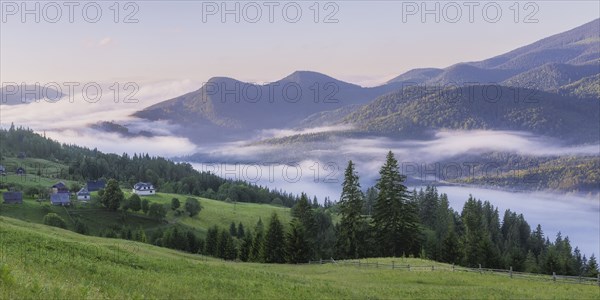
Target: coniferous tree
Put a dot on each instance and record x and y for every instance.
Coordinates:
(257, 242)
(297, 248)
(246, 247)
(240, 231)
(274, 242)
(210, 244)
(226, 246)
(350, 205)
(592, 267)
(395, 217)
(232, 229)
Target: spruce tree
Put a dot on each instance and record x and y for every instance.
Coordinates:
(274, 242)
(395, 215)
(351, 205)
(592, 267)
(246, 247)
(297, 248)
(212, 238)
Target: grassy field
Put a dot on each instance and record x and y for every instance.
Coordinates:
(38, 172)
(37, 261)
(98, 219)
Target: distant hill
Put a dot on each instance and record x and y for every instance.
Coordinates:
(414, 112)
(588, 87)
(553, 76)
(225, 105)
(577, 46)
(28, 94)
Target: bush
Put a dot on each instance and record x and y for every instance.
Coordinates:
(80, 227)
(46, 208)
(192, 206)
(55, 220)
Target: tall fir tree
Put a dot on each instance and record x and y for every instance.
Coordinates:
(274, 242)
(395, 214)
(297, 248)
(351, 204)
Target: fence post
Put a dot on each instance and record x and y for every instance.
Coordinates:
(510, 271)
(553, 276)
(376, 264)
(409, 267)
(359, 263)
(392, 264)
(480, 272)
(452, 267)
(320, 261)
(598, 279)
(432, 268)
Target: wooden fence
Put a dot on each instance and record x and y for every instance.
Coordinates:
(452, 268)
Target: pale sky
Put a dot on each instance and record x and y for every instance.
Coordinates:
(368, 45)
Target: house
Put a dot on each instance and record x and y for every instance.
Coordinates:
(2, 170)
(60, 199)
(60, 188)
(12, 197)
(20, 171)
(83, 194)
(95, 185)
(144, 188)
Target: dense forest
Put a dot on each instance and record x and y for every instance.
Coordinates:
(390, 221)
(168, 176)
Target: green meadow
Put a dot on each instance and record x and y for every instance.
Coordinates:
(37, 261)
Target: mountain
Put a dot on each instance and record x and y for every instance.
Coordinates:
(565, 64)
(225, 105)
(417, 76)
(577, 47)
(413, 112)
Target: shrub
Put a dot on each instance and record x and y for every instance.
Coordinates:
(55, 220)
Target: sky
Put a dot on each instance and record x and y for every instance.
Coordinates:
(364, 42)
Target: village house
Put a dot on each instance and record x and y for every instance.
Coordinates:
(20, 171)
(144, 188)
(62, 199)
(12, 197)
(60, 188)
(95, 185)
(2, 170)
(83, 194)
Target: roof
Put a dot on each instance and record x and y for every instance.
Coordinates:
(95, 185)
(143, 185)
(60, 185)
(83, 192)
(12, 196)
(60, 198)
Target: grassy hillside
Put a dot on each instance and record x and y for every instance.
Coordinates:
(37, 261)
(99, 219)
